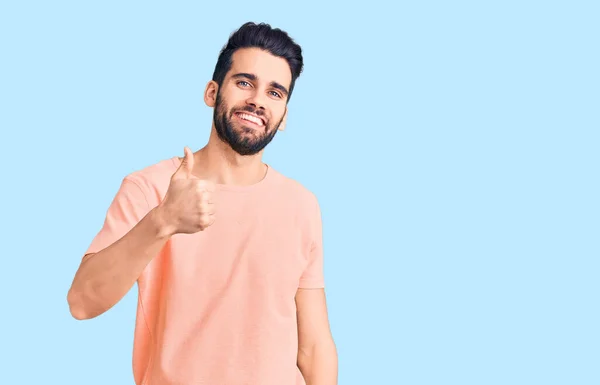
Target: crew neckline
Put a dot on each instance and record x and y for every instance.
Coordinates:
(235, 188)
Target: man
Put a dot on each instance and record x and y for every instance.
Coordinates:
(227, 252)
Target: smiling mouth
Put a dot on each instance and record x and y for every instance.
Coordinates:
(255, 120)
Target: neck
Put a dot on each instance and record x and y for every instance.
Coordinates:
(219, 163)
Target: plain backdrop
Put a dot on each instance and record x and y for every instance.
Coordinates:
(453, 146)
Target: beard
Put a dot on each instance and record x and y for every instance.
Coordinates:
(243, 140)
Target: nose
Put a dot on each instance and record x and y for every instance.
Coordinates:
(256, 100)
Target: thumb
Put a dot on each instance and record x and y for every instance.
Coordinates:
(187, 164)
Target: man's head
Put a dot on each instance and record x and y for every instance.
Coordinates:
(251, 86)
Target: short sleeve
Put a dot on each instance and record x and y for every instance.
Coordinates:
(127, 208)
(313, 276)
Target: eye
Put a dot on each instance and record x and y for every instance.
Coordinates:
(244, 82)
(276, 94)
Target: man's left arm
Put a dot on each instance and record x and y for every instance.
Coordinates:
(317, 354)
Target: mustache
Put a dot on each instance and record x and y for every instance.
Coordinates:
(250, 110)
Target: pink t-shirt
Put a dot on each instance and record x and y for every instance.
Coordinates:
(217, 307)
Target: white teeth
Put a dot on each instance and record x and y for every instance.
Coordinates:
(252, 119)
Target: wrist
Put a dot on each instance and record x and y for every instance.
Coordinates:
(161, 223)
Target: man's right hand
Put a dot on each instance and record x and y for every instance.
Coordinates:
(188, 205)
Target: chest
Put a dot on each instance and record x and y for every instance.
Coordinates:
(250, 246)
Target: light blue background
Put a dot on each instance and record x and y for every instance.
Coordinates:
(453, 147)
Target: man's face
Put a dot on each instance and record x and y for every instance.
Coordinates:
(251, 102)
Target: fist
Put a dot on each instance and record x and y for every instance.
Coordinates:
(188, 206)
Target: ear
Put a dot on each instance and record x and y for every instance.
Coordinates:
(284, 120)
(210, 93)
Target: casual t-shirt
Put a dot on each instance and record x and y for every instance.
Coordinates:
(217, 307)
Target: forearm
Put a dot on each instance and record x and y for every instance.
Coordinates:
(105, 277)
(319, 364)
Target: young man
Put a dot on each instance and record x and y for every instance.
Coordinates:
(227, 252)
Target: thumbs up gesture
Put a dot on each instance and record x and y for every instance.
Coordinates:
(188, 205)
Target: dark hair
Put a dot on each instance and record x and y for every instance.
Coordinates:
(263, 36)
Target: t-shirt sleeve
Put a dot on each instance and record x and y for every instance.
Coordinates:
(313, 277)
(127, 208)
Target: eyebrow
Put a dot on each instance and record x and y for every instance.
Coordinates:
(253, 77)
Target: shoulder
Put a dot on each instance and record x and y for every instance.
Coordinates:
(153, 179)
(295, 192)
